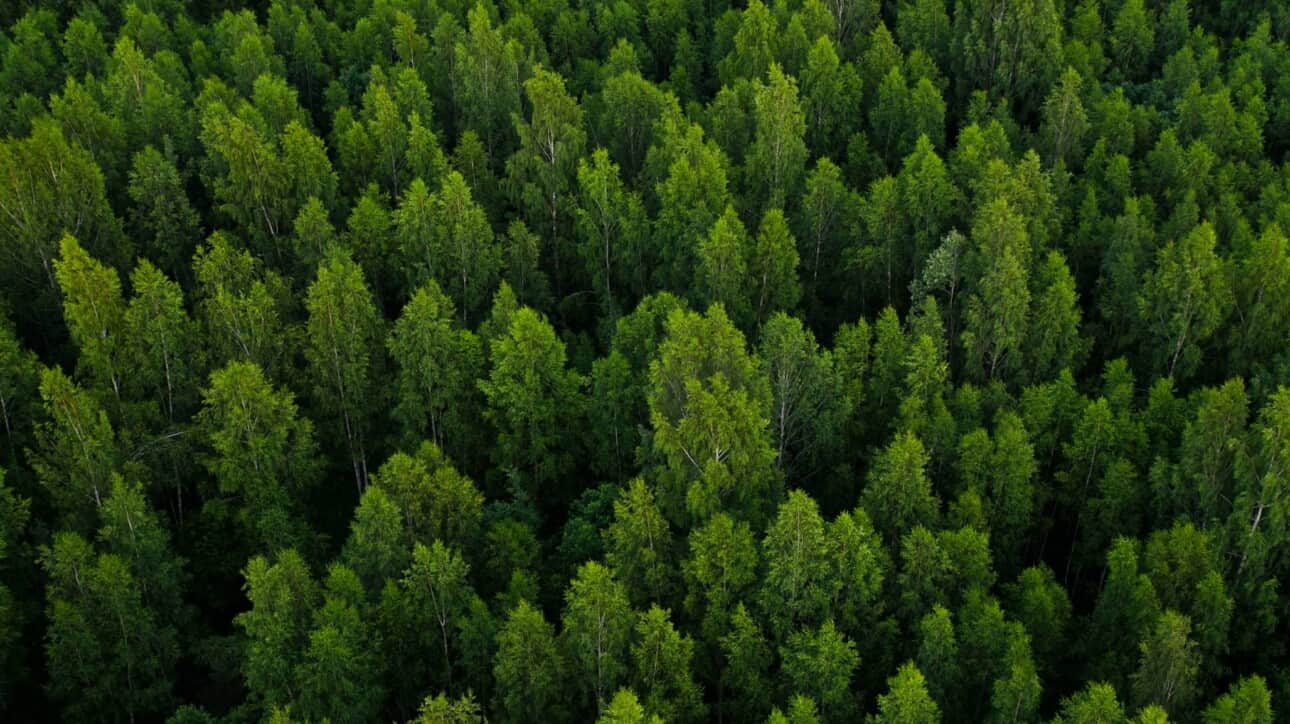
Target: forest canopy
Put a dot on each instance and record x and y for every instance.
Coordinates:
(644, 361)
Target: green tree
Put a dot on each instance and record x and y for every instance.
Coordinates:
(242, 306)
(692, 195)
(906, 700)
(597, 627)
(709, 410)
(1185, 300)
(611, 231)
(1167, 670)
(529, 667)
(772, 267)
(638, 545)
(277, 626)
(723, 274)
(1054, 342)
(747, 659)
(162, 217)
(998, 310)
(438, 363)
(1065, 122)
(76, 449)
(826, 215)
(898, 494)
(821, 663)
(1095, 703)
(544, 168)
(107, 652)
(51, 187)
(343, 329)
(95, 314)
(1247, 701)
(662, 658)
(261, 451)
(777, 157)
(534, 401)
(339, 674)
(461, 254)
(806, 416)
(1012, 54)
(487, 82)
(799, 581)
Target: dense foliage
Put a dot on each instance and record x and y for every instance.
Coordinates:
(644, 360)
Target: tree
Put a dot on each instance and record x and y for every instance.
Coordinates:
(1185, 300)
(1006, 485)
(1054, 342)
(1126, 610)
(1040, 604)
(51, 187)
(1095, 703)
(807, 415)
(95, 314)
(801, 710)
(461, 253)
(777, 158)
(107, 652)
(630, 108)
(897, 494)
(1065, 122)
(343, 329)
(753, 52)
(261, 451)
(722, 275)
(596, 630)
(377, 549)
(709, 409)
(486, 83)
(440, 710)
(720, 571)
(906, 700)
(1132, 38)
(75, 449)
(1015, 57)
(1167, 671)
(625, 708)
(543, 170)
(438, 363)
(242, 306)
(662, 668)
(1247, 701)
(162, 216)
(1261, 493)
(529, 668)
(938, 653)
(691, 196)
(827, 213)
(929, 199)
(533, 400)
(277, 626)
(1262, 288)
(998, 311)
(747, 659)
(161, 342)
(820, 663)
(638, 545)
(340, 672)
(772, 267)
(799, 583)
(434, 602)
(19, 389)
(611, 226)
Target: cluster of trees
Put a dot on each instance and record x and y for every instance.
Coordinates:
(644, 360)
